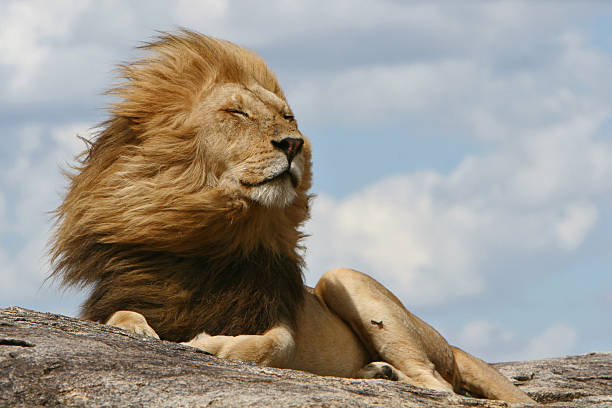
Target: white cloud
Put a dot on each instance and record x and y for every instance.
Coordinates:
(583, 63)
(556, 340)
(251, 24)
(2, 213)
(30, 138)
(26, 30)
(372, 94)
(34, 176)
(478, 335)
(434, 237)
(577, 220)
(211, 14)
(78, 54)
(32, 188)
(66, 136)
(397, 232)
(492, 341)
(468, 91)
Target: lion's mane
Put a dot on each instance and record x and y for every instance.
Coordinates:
(143, 224)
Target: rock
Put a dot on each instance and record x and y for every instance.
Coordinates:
(53, 360)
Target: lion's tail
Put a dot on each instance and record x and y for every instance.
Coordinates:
(480, 378)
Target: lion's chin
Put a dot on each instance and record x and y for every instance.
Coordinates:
(277, 193)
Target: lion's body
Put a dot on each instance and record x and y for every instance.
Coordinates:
(184, 218)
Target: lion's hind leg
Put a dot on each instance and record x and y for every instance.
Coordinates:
(481, 379)
(133, 322)
(388, 330)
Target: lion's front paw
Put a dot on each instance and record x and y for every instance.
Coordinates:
(380, 369)
(198, 341)
(133, 322)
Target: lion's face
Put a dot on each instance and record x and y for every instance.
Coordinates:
(201, 156)
(253, 144)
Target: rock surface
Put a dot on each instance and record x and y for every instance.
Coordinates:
(53, 360)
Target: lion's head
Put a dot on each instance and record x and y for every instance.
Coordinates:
(202, 153)
(201, 158)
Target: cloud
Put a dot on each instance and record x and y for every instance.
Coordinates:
(208, 13)
(253, 25)
(555, 341)
(26, 32)
(391, 76)
(493, 342)
(373, 94)
(67, 137)
(539, 188)
(575, 224)
(467, 92)
(480, 335)
(436, 236)
(32, 187)
(394, 231)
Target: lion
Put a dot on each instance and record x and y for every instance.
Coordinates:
(183, 217)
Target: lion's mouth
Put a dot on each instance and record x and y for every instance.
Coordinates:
(286, 173)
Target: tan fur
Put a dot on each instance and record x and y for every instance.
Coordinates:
(184, 219)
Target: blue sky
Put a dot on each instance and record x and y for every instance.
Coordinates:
(461, 150)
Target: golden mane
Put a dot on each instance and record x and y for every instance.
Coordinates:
(145, 223)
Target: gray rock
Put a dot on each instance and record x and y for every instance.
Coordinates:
(53, 360)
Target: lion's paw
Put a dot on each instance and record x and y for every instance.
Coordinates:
(133, 322)
(380, 369)
(198, 341)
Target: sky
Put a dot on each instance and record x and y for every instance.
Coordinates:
(462, 150)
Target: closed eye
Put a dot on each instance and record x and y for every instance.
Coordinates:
(289, 117)
(237, 112)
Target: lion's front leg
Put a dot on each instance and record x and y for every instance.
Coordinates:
(131, 321)
(274, 348)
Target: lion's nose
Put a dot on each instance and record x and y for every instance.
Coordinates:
(291, 146)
